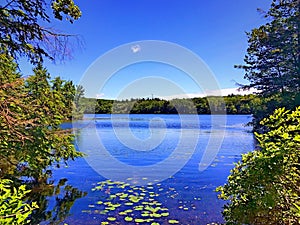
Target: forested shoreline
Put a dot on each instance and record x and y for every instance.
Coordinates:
(231, 104)
(262, 188)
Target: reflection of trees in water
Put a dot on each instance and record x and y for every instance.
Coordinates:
(54, 200)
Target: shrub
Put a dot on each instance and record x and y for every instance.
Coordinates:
(263, 188)
(13, 209)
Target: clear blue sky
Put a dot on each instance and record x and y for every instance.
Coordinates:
(214, 30)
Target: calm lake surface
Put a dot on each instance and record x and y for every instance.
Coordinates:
(142, 169)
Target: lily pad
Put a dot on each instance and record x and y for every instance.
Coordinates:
(156, 215)
(128, 203)
(132, 204)
(139, 207)
(128, 219)
(111, 218)
(110, 208)
(134, 198)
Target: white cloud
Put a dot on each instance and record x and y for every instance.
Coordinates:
(98, 96)
(223, 92)
(229, 91)
(135, 48)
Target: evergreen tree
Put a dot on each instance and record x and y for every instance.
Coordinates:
(21, 32)
(272, 62)
(31, 109)
(31, 114)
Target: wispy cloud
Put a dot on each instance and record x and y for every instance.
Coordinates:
(101, 95)
(222, 92)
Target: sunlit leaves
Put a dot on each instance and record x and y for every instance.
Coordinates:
(66, 7)
(264, 187)
(13, 209)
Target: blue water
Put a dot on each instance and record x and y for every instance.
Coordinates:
(183, 157)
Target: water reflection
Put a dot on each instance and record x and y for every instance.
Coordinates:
(54, 200)
(188, 194)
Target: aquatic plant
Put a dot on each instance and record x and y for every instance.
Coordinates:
(120, 201)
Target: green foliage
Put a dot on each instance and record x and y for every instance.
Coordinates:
(21, 33)
(264, 106)
(31, 112)
(78, 107)
(66, 7)
(153, 106)
(120, 201)
(272, 62)
(234, 104)
(264, 187)
(33, 109)
(13, 209)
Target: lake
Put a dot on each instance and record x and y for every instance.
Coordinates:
(153, 169)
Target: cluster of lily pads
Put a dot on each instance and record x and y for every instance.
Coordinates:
(122, 203)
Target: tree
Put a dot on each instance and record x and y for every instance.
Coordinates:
(71, 97)
(31, 114)
(273, 60)
(21, 32)
(78, 104)
(263, 188)
(31, 110)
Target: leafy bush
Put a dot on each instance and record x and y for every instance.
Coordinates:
(12, 208)
(264, 187)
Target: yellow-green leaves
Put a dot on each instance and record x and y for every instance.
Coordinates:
(264, 187)
(130, 203)
(13, 209)
(66, 7)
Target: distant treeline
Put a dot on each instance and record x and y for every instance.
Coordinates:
(231, 104)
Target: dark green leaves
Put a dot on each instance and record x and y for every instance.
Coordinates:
(31, 113)
(272, 62)
(22, 34)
